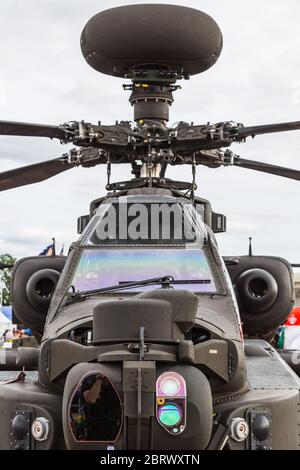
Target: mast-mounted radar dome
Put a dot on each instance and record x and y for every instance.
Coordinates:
(162, 38)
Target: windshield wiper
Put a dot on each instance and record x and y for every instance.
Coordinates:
(164, 281)
(179, 281)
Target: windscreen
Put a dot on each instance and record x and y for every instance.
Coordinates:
(102, 267)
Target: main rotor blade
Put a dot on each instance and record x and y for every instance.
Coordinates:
(267, 129)
(33, 173)
(31, 130)
(267, 168)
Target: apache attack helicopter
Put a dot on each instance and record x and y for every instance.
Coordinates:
(149, 338)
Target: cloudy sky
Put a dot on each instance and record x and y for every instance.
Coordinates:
(44, 78)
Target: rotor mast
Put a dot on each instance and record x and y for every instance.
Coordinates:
(151, 101)
(151, 98)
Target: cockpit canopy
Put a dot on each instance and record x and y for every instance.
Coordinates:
(140, 237)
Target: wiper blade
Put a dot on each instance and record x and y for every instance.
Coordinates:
(191, 281)
(165, 281)
(181, 281)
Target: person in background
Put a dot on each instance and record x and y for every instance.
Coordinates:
(4, 336)
(10, 335)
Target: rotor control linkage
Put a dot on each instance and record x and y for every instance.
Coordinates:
(148, 142)
(125, 135)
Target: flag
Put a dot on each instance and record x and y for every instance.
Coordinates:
(48, 251)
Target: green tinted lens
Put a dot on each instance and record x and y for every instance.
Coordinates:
(169, 415)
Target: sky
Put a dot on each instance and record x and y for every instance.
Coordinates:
(45, 79)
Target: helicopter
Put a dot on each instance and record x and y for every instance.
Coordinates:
(149, 339)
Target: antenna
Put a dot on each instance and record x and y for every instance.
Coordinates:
(250, 247)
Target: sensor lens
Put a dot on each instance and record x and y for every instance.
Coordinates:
(169, 415)
(170, 387)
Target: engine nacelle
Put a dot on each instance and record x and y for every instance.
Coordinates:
(33, 282)
(264, 289)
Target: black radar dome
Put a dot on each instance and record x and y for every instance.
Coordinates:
(152, 36)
